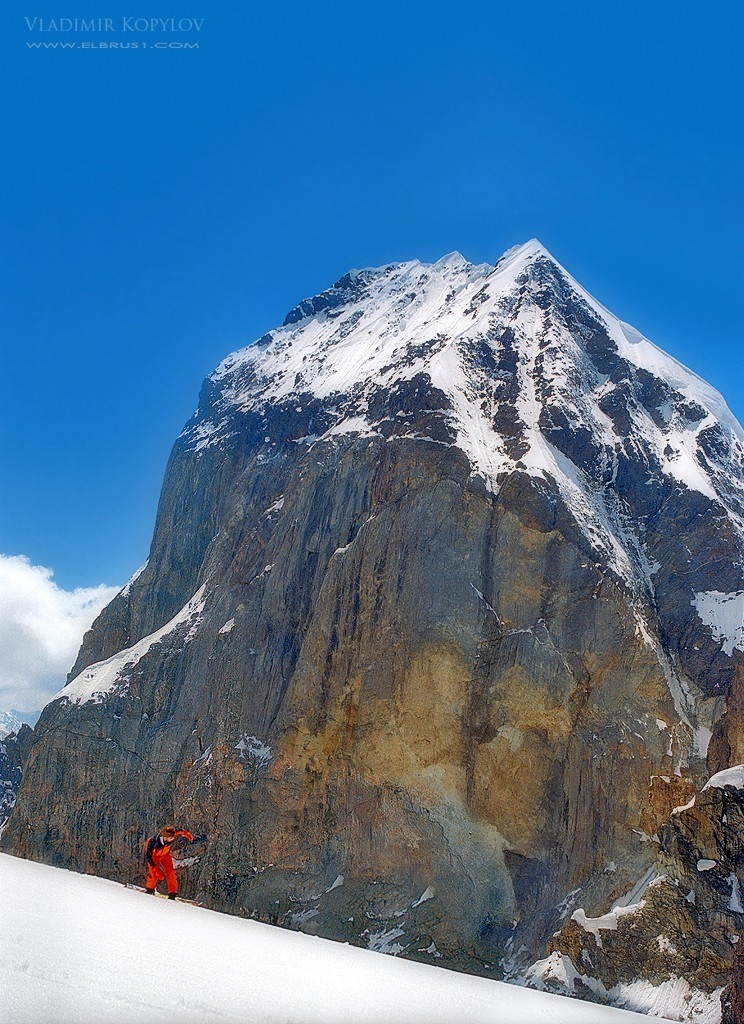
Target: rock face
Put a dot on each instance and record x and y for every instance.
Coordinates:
(446, 571)
(732, 1001)
(678, 932)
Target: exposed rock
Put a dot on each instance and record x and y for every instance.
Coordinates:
(732, 1000)
(686, 923)
(14, 750)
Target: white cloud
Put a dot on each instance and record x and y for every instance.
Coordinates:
(41, 628)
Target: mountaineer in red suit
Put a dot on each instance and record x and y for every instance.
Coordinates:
(159, 860)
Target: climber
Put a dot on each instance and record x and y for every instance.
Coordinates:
(159, 860)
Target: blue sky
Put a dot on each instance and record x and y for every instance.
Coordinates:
(164, 206)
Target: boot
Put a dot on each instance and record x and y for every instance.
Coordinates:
(171, 895)
(151, 892)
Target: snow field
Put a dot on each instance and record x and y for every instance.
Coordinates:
(81, 950)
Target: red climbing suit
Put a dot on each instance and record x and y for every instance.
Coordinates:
(160, 862)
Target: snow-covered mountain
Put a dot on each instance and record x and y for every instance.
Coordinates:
(11, 721)
(518, 367)
(492, 354)
(444, 600)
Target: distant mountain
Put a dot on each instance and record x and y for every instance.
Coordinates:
(11, 721)
(442, 618)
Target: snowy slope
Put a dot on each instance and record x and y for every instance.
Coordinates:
(78, 950)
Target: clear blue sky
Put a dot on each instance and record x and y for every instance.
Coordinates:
(162, 207)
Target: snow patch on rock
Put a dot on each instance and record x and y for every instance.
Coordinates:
(96, 681)
(723, 614)
(254, 751)
(124, 592)
(385, 941)
(728, 777)
(674, 999)
(734, 903)
(706, 865)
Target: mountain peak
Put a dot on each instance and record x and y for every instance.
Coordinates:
(452, 259)
(525, 253)
(514, 364)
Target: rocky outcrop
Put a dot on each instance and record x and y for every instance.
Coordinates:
(682, 922)
(732, 1000)
(416, 645)
(14, 750)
